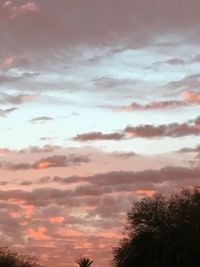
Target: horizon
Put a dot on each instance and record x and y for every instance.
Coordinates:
(99, 107)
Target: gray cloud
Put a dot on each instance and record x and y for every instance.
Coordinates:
(100, 24)
(104, 183)
(95, 136)
(173, 130)
(17, 99)
(170, 130)
(48, 162)
(188, 82)
(175, 61)
(41, 119)
(5, 112)
(35, 218)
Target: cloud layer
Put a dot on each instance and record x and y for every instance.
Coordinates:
(99, 106)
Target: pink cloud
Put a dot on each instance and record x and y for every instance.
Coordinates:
(190, 98)
(16, 10)
(9, 61)
(38, 234)
(57, 219)
(100, 23)
(48, 221)
(18, 99)
(16, 61)
(44, 163)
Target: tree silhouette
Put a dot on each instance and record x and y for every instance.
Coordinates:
(84, 262)
(162, 232)
(11, 259)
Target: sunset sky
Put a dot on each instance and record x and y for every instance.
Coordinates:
(99, 106)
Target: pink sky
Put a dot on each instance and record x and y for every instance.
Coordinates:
(99, 106)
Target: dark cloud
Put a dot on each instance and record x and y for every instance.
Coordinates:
(170, 130)
(110, 83)
(150, 176)
(173, 130)
(96, 136)
(124, 155)
(17, 99)
(26, 183)
(7, 78)
(41, 119)
(48, 162)
(46, 138)
(195, 150)
(188, 82)
(60, 161)
(47, 220)
(5, 112)
(139, 24)
(154, 105)
(37, 150)
(104, 183)
(189, 98)
(175, 61)
(196, 59)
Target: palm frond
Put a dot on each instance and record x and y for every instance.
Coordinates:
(84, 262)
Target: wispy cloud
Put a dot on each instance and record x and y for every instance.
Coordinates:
(5, 112)
(41, 119)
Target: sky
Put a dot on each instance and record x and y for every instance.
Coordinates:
(99, 107)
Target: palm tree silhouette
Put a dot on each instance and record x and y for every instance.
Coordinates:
(84, 262)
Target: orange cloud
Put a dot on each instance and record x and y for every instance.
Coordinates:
(69, 233)
(146, 193)
(14, 214)
(25, 209)
(114, 234)
(192, 97)
(56, 219)
(45, 164)
(38, 234)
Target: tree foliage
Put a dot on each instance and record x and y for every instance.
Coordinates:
(12, 259)
(162, 232)
(84, 262)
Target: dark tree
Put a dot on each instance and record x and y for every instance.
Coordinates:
(11, 259)
(84, 262)
(162, 232)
